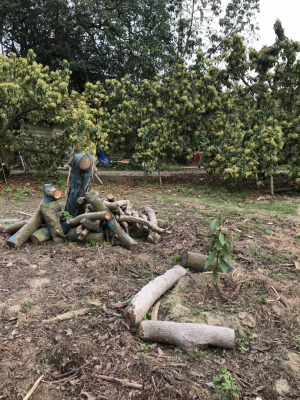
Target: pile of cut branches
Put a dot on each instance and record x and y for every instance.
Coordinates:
(101, 220)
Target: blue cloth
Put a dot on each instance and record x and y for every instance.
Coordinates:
(103, 159)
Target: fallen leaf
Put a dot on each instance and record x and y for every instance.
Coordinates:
(28, 339)
(111, 293)
(158, 268)
(223, 361)
(261, 348)
(297, 264)
(58, 338)
(177, 204)
(95, 302)
(135, 275)
(74, 381)
(69, 332)
(160, 352)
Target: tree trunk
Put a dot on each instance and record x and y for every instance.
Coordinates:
(3, 155)
(187, 336)
(27, 230)
(51, 193)
(13, 228)
(196, 262)
(94, 216)
(90, 237)
(146, 297)
(49, 211)
(153, 236)
(81, 165)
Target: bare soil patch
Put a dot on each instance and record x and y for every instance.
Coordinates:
(261, 301)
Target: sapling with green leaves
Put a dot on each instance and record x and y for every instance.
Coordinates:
(219, 247)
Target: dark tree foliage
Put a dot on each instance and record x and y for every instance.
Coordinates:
(100, 38)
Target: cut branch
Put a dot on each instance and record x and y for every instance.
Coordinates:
(101, 216)
(196, 262)
(187, 336)
(144, 299)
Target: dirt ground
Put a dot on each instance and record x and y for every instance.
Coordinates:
(260, 300)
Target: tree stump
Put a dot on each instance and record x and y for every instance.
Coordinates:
(81, 165)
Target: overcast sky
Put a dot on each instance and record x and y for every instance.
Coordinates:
(287, 11)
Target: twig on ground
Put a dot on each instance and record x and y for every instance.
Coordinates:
(33, 388)
(123, 382)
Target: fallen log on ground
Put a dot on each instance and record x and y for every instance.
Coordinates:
(27, 230)
(110, 197)
(50, 213)
(91, 225)
(13, 228)
(146, 297)
(196, 262)
(187, 336)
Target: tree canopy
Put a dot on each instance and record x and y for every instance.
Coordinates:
(107, 40)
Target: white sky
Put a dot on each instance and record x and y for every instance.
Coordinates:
(287, 11)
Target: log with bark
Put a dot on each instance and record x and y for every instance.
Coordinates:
(187, 336)
(13, 228)
(81, 165)
(93, 226)
(51, 193)
(196, 262)
(42, 235)
(50, 213)
(92, 237)
(144, 299)
(95, 216)
(27, 230)
(153, 235)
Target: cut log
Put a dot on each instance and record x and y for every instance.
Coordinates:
(145, 298)
(49, 211)
(137, 220)
(42, 235)
(51, 193)
(91, 225)
(81, 200)
(153, 235)
(90, 208)
(83, 234)
(13, 228)
(81, 165)
(91, 237)
(196, 262)
(91, 216)
(110, 197)
(93, 199)
(79, 229)
(116, 229)
(116, 206)
(27, 230)
(187, 336)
